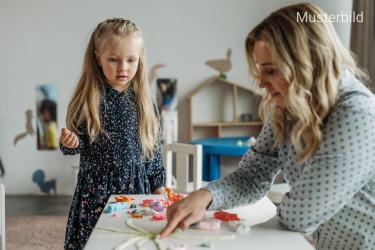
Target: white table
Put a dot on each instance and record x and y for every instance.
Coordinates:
(266, 232)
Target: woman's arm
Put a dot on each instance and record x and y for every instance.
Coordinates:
(252, 179)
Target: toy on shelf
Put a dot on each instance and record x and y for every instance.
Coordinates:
(221, 65)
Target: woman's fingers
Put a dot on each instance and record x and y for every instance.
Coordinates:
(175, 216)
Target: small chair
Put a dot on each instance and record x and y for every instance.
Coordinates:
(182, 152)
(2, 217)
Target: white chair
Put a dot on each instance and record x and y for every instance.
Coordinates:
(2, 217)
(182, 152)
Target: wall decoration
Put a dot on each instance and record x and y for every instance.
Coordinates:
(166, 98)
(29, 127)
(45, 186)
(221, 65)
(152, 75)
(46, 103)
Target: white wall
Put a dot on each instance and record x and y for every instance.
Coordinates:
(43, 41)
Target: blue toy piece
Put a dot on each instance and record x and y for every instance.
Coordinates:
(113, 207)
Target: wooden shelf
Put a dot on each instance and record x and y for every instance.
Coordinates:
(215, 109)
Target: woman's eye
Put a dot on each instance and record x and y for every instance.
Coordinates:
(112, 59)
(132, 60)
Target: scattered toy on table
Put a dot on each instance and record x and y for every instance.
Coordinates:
(112, 207)
(123, 198)
(208, 225)
(172, 196)
(166, 203)
(157, 206)
(241, 226)
(161, 216)
(137, 216)
(225, 216)
(206, 244)
(116, 215)
(147, 202)
(133, 205)
(144, 211)
(177, 247)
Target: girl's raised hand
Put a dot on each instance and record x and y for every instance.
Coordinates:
(187, 211)
(69, 139)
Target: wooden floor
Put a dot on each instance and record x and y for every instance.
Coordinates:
(19, 205)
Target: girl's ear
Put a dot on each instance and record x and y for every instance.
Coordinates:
(97, 56)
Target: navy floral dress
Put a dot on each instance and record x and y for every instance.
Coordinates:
(112, 164)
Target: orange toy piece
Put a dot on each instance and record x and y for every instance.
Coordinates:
(123, 198)
(172, 196)
(225, 216)
(137, 216)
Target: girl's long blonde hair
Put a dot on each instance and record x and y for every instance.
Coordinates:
(84, 108)
(311, 58)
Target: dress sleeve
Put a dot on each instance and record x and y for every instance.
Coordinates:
(340, 168)
(84, 142)
(252, 179)
(154, 167)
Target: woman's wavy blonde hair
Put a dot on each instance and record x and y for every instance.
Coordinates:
(84, 109)
(311, 58)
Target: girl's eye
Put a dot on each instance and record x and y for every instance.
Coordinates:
(132, 60)
(112, 59)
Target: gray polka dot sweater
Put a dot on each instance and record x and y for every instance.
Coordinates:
(112, 164)
(332, 193)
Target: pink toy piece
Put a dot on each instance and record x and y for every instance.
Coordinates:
(116, 215)
(166, 203)
(161, 216)
(209, 225)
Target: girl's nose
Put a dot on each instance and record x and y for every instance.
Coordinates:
(123, 66)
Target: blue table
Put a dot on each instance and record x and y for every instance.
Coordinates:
(215, 147)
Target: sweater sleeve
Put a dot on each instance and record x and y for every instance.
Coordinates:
(340, 168)
(252, 179)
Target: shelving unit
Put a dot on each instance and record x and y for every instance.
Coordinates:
(215, 107)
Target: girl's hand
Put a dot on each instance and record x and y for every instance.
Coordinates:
(69, 139)
(159, 190)
(187, 211)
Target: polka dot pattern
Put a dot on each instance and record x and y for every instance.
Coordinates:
(333, 193)
(112, 164)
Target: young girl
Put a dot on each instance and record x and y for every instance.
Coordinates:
(112, 123)
(319, 131)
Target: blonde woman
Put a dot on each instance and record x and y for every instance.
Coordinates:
(113, 125)
(319, 132)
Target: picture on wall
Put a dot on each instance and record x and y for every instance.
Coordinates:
(166, 97)
(46, 106)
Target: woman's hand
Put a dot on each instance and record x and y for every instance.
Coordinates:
(69, 139)
(187, 211)
(160, 190)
